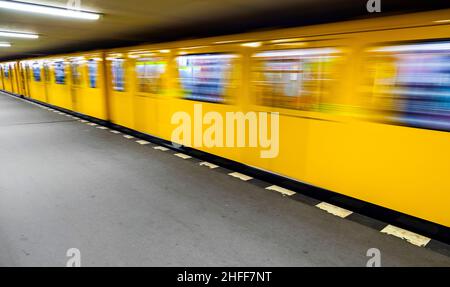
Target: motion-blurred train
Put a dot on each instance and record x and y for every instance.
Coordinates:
(364, 105)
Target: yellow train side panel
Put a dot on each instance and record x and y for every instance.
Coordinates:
(2, 85)
(404, 169)
(37, 89)
(121, 103)
(8, 80)
(60, 94)
(90, 100)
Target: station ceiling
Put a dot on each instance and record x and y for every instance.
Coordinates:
(129, 22)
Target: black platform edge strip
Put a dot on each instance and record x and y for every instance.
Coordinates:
(365, 213)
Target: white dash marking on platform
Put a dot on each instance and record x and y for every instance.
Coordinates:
(142, 142)
(128, 137)
(115, 132)
(411, 237)
(281, 190)
(92, 124)
(161, 148)
(102, 128)
(83, 121)
(333, 209)
(240, 176)
(208, 164)
(183, 156)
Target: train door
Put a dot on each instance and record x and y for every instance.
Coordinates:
(22, 87)
(15, 79)
(28, 80)
(93, 99)
(2, 85)
(150, 85)
(47, 80)
(24, 71)
(75, 87)
(6, 79)
(120, 93)
(11, 78)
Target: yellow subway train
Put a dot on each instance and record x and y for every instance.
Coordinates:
(363, 105)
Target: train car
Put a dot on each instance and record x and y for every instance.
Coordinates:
(74, 82)
(10, 77)
(364, 109)
(2, 85)
(363, 106)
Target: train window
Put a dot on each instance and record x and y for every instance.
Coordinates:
(36, 72)
(6, 71)
(60, 75)
(410, 83)
(92, 73)
(149, 72)
(205, 77)
(295, 79)
(118, 74)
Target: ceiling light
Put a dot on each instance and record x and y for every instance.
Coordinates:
(18, 35)
(5, 45)
(48, 10)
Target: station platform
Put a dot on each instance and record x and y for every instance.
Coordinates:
(66, 183)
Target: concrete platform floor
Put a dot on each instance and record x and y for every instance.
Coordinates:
(65, 184)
